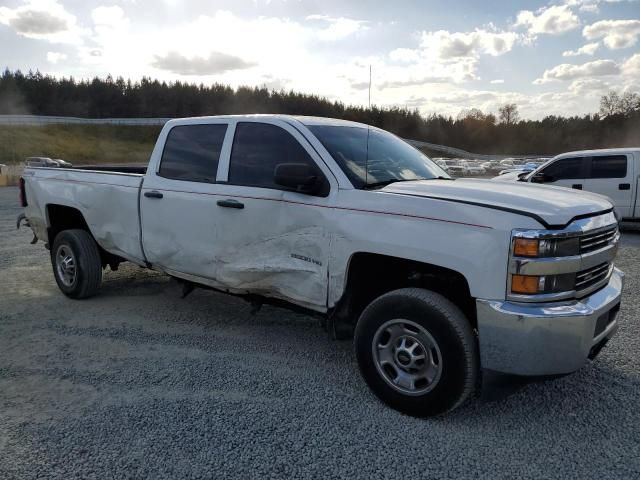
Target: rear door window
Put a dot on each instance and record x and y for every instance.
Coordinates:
(609, 166)
(191, 152)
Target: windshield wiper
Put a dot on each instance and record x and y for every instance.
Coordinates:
(384, 183)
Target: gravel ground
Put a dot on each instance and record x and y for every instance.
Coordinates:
(139, 383)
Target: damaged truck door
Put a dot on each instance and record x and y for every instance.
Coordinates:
(224, 218)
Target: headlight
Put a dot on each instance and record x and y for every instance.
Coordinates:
(538, 248)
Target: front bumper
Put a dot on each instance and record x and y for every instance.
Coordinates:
(547, 339)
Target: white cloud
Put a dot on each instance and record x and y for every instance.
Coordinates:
(446, 56)
(589, 86)
(625, 73)
(548, 20)
(590, 8)
(566, 71)
(338, 28)
(405, 55)
(631, 68)
(42, 19)
(55, 57)
(109, 16)
(497, 81)
(410, 82)
(588, 49)
(447, 45)
(615, 33)
(213, 64)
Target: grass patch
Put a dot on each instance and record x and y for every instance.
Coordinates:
(78, 144)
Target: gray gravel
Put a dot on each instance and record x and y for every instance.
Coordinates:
(139, 383)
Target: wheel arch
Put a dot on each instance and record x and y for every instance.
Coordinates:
(370, 275)
(61, 217)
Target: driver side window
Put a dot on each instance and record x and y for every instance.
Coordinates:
(565, 169)
(258, 148)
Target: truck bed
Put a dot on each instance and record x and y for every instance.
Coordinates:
(106, 196)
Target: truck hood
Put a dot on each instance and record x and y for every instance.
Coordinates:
(553, 207)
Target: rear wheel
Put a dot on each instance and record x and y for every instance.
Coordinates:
(76, 263)
(417, 352)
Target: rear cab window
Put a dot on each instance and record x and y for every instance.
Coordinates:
(608, 166)
(192, 152)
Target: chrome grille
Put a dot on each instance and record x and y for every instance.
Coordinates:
(592, 276)
(596, 240)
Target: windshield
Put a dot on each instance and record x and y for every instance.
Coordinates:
(372, 157)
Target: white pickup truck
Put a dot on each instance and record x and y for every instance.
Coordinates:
(436, 279)
(613, 172)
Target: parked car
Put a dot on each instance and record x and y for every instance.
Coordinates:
(435, 278)
(507, 163)
(492, 167)
(454, 168)
(611, 172)
(471, 169)
(46, 162)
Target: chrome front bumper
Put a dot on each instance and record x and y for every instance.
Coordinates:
(547, 339)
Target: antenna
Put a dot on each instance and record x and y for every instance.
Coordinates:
(369, 85)
(366, 159)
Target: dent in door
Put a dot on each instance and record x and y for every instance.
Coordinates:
(291, 266)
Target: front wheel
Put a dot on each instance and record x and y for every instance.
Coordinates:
(76, 263)
(417, 352)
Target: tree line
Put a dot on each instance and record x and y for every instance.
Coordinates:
(617, 124)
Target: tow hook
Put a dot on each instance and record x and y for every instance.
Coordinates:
(22, 218)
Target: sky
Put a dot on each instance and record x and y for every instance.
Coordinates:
(550, 58)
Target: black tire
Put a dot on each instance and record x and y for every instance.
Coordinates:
(88, 266)
(456, 347)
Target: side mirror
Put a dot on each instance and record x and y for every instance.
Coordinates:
(300, 177)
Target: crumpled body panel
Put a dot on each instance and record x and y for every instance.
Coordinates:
(108, 202)
(290, 265)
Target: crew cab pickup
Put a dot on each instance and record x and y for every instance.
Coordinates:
(613, 172)
(436, 279)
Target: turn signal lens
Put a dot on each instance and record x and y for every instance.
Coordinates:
(527, 284)
(525, 247)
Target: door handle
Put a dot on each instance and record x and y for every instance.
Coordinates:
(230, 204)
(153, 194)
(577, 186)
(624, 186)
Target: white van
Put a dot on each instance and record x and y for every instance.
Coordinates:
(613, 172)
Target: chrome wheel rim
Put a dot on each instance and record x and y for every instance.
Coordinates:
(66, 265)
(407, 357)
